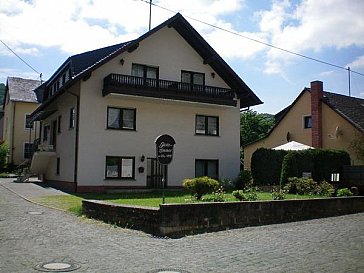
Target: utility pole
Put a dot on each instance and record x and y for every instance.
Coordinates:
(349, 81)
(150, 14)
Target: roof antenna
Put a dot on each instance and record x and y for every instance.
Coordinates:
(150, 14)
(349, 80)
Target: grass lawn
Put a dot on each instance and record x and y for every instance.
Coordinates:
(73, 202)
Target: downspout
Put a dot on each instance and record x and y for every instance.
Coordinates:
(77, 138)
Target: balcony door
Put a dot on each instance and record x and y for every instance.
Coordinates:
(147, 75)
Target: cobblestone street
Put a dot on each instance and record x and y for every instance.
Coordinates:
(31, 235)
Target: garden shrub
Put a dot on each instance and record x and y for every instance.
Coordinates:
(302, 186)
(266, 166)
(325, 189)
(345, 192)
(200, 185)
(217, 196)
(3, 156)
(227, 184)
(244, 179)
(248, 194)
(278, 194)
(307, 186)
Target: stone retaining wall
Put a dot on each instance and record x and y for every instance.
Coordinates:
(181, 219)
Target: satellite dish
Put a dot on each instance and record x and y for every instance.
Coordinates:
(337, 132)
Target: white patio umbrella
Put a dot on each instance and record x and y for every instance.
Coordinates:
(293, 146)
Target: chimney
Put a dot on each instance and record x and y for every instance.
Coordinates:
(316, 113)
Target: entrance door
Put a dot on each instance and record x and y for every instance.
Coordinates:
(155, 173)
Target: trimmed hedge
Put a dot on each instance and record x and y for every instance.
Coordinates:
(320, 163)
(266, 165)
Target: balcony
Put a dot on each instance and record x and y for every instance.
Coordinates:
(157, 88)
(41, 157)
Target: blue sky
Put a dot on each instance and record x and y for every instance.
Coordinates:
(45, 33)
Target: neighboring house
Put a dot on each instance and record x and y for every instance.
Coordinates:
(2, 93)
(318, 119)
(19, 102)
(102, 111)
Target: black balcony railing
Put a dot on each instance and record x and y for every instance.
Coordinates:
(131, 85)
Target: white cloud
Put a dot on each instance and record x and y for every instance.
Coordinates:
(79, 25)
(6, 72)
(311, 25)
(357, 63)
(326, 73)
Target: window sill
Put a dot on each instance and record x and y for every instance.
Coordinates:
(121, 129)
(119, 179)
(207, 135)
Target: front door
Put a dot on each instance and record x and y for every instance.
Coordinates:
(155, 173)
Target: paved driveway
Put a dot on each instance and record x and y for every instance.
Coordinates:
(31, 235)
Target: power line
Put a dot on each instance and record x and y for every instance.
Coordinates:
(31, 67)
(257, 41)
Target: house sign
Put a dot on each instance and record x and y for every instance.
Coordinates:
(164, 148)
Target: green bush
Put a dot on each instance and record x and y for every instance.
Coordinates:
(321, 163)
(200, 185)
(278, 194)
(3, 156)
(244, 179)
(217, 196)
(325, 189)
(248, 194)
(302, 186)
(307, 186)
(227, 184)
(266, 166)
(345, 192)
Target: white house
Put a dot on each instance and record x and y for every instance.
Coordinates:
(102, 111)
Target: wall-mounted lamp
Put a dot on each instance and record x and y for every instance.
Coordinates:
(213, 75)
(142, 158)
(141, 169)
(122, 61)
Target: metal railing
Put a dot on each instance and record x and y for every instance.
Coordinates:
(120, 80)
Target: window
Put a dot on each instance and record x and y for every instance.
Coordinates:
(58, 166)
(63, 79)
(28, 124)
(27, 151)
(121, 118)
(144, 71)
(307, 120)
(205, 167)
(46, 132)
(207, 125)
(59, 124)
(53, 136)
(72, 118)
(192, 80)
(120, 167)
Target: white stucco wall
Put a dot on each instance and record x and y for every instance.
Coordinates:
(154, 117)
(65, 148)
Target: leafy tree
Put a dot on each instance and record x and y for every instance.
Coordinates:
(254, 126)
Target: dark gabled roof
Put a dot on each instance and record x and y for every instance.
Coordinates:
(22, 90)
(83, 64)
(350, 108)
(85, 61)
